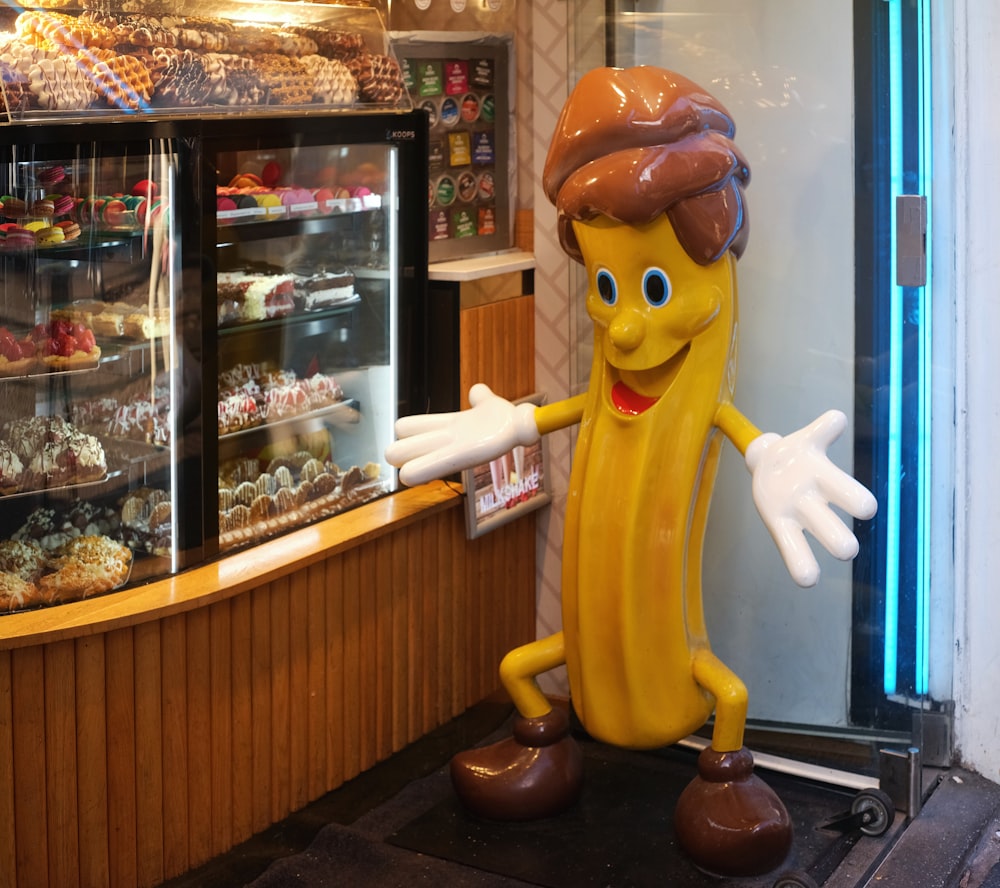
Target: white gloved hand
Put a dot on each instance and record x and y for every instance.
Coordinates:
(794, 484)
(435, 445)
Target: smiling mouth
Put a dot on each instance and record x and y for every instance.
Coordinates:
(630, 399)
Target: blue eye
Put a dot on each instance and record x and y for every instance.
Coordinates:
(656, 287)
(607, 287)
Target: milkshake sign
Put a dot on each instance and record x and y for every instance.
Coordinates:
(506, 487)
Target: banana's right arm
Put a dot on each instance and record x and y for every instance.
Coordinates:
(437, 445)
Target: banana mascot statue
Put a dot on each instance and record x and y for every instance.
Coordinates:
(649, 189)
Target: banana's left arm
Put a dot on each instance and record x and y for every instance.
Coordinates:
(794, 484)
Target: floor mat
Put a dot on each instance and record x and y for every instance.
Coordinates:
(341, 858)
(620, 833)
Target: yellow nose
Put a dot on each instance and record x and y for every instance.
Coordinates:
(627, 330)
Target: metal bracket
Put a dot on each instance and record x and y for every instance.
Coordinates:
(932, 732)
(901, 778)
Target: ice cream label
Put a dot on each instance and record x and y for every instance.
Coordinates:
(432, 113)
(487, 186)
(449, 111)
(435, 157)
(463, 223)
(470, 108)
(430, 79)
(459, 149)
(488, 109)
(487, 221)
(445, 191)
(409, 80)
(483, 151)
(456, 77)
(482, 73)
(468, 187)
(438, 225)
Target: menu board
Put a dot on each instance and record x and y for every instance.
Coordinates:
(463, 89)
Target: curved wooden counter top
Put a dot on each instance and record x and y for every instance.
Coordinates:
(230, 574)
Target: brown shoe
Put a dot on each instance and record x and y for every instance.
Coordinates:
(729, 821)
(535, 773)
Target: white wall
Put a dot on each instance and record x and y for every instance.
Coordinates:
(977, 288)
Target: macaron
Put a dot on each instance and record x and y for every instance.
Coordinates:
(43, 207)
(71, 231)
(13, 207)
(145, 188)
(35, 225)
(246, 180)
(114, 212)
(62, 204)
(271, 203)
(270, 175)
(244, 201)
(19, 239)
(50, 236)
(52, 175)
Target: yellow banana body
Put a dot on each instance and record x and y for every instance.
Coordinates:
(642, 477)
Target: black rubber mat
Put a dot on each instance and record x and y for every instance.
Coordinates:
(620, 833)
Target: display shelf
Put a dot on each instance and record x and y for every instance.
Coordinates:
(304, 323)
(343, 413)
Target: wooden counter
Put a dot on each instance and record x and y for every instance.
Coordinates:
(146, 731)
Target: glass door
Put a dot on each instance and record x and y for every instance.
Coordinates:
(831, 110)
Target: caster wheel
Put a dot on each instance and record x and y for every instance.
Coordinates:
(877, 809)
(795, 880)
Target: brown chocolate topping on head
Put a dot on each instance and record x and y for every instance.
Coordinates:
(632, 144)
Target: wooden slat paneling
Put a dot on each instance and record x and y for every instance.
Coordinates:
(28, 790)
(176, 801)
(145, 751)
(92, 719)
(198, 741)
(8, 849)
(61, 764)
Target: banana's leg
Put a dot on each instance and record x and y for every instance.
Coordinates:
(538, 770)
(730, 700)
(519, 668)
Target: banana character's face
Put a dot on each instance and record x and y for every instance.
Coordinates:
(659, 315)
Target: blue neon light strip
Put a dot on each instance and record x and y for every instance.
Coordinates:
(894, 468)
(925, 171)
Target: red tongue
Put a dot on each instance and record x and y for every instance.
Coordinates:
(629, 402)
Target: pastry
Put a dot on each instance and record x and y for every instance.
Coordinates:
(11, 469)
(64, 345)
(23, 558)
(17, 356)
(324, 289)
(16, 593)
(85, 566)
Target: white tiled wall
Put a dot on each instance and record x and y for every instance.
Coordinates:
(542, 76)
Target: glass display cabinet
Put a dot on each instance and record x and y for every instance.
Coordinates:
(213, 273)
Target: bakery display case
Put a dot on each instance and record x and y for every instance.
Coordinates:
(209, 320)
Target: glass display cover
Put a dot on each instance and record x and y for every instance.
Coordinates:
(91, 375)
(170, 58)
(306, 309)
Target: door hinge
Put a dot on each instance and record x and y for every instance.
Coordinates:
(911, 240)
